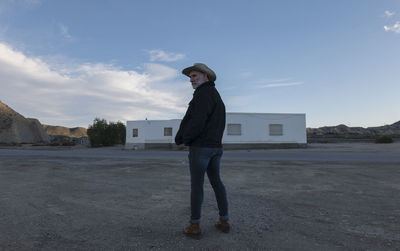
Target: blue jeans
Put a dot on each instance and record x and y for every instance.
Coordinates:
(203, 160)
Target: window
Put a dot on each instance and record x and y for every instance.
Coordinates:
(275, 129)
(234, 129)
(167, 131)
(135, 132)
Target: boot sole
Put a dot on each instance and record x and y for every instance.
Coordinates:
(193, 236)
(224, 230)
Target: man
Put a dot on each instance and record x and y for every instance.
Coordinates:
(201, 129)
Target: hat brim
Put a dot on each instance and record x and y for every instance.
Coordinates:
(188, 70)
(210, 74)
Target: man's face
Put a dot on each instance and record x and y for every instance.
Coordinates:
(197, 78)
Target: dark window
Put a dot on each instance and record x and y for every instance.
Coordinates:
(167, 131)
(275, 129)
(234, 129)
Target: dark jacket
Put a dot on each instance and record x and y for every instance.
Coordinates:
(204, 121)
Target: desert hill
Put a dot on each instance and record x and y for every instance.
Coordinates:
(15, 128)
(76, 132)
(343, 130)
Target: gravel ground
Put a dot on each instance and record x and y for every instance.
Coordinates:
(85, 201)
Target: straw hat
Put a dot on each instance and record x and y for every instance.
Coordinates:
(201, 68)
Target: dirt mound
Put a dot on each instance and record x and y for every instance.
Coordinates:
(343, 130)
(76, 132)
(15, 128)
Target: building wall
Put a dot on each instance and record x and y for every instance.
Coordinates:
(254, 130)
(151, 131)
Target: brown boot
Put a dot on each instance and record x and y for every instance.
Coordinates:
(223, 226)
(193, 230)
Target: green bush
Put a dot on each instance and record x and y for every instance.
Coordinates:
(384, 139)
(102, 133)
(68, 143)
(10, 144)
(39, 144)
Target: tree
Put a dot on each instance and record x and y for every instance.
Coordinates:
(120, 128)
(102, 133)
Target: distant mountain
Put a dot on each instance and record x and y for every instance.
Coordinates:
(76, 132)
(15, 128)
(343, 130)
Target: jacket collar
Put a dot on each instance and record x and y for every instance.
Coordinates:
(208, 83)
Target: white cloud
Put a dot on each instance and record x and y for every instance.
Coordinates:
(157, 72)
(283, 82)
(74, 95)
(395, 28)
(65, 33)
(388, 13)
(266, 81)
(162, 56)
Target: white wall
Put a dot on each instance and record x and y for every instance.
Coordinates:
(151, 131)
(255, 129)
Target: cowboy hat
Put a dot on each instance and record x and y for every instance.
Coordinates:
(201, 68)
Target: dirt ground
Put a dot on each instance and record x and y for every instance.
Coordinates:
(84, 201)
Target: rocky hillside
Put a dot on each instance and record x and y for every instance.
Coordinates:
(343, 130)
(76, 132)
(15, 128)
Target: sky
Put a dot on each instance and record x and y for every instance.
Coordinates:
(69, 62)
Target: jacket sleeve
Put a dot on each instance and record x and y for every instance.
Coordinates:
(179, 134)
(202, 107)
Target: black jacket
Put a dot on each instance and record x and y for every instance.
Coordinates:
(204, 121)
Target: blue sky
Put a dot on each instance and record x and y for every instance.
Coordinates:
(67, 62)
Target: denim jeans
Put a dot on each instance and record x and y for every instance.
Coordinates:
(203, 160)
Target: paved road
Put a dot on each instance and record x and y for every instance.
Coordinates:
(290, 155)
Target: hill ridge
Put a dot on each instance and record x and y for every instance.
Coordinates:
(74, 132)
(15, 128)
(343, 130)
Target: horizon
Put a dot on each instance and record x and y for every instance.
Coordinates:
(180, 119)
(66, 63)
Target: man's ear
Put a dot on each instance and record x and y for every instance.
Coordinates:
(206, 76)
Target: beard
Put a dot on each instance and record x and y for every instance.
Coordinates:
(196, 84)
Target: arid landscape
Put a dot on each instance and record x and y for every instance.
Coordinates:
(324, 197)
(302, 96)
(16, 129)
(328, 196)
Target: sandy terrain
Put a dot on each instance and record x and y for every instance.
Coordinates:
(325, 197)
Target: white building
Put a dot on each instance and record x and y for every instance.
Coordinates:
(243, 130)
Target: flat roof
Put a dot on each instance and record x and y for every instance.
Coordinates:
(230, 113)
(262, 113)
